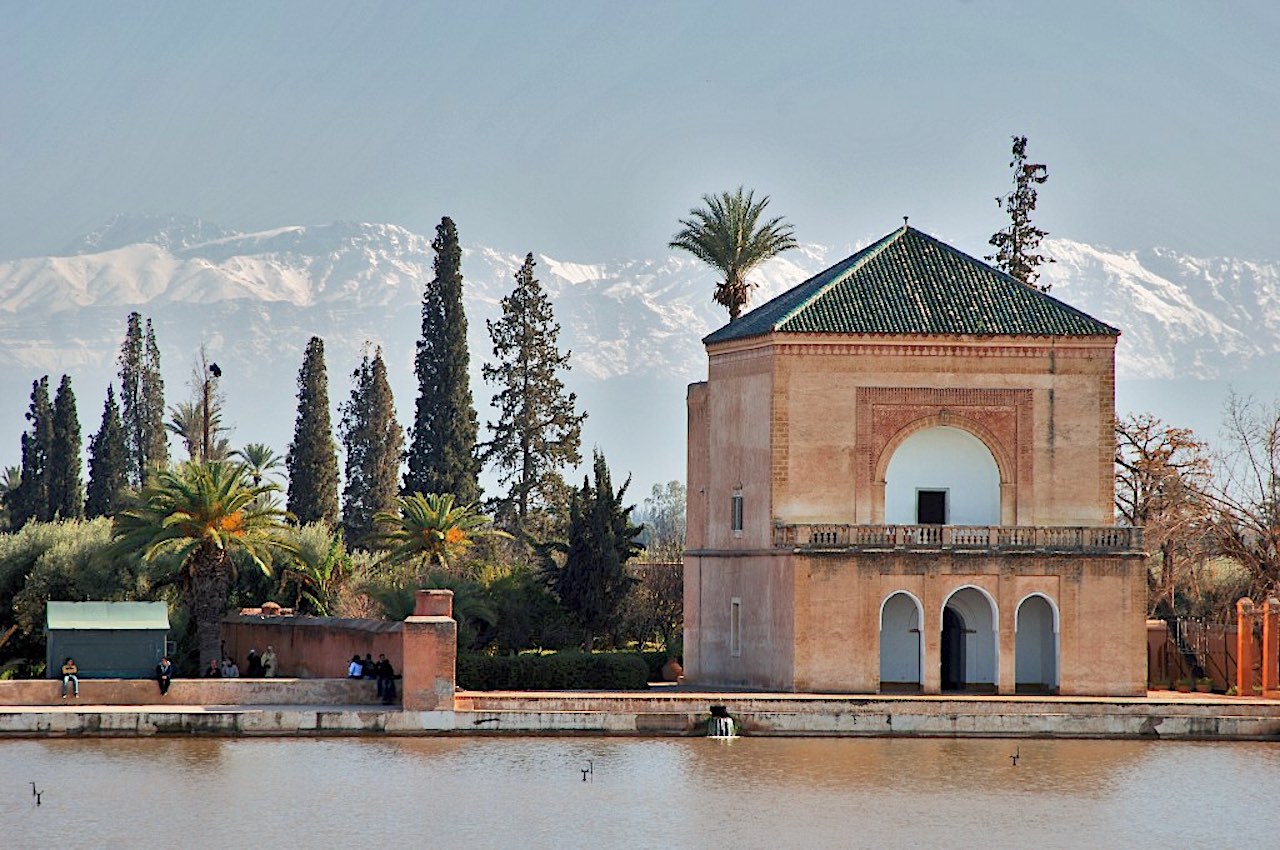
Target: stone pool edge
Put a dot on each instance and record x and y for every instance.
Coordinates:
(683, 714)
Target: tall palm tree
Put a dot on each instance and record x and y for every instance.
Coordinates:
(728, 235)
(258, 459)
(203, 514)
(431, 529)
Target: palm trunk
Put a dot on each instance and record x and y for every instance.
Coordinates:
(208, 599)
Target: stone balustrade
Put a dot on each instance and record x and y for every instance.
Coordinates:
(995, 538)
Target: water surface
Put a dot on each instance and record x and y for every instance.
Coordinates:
(669, 793)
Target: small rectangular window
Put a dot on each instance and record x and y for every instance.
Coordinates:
(735, 627)
(735, 509)
(931, 507)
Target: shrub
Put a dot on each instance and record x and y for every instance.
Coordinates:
(618, 671)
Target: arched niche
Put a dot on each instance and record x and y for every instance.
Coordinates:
(901, 647)
(969, 652)
(1036, 644)
(942, 475)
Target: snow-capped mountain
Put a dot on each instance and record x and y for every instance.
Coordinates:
(254, 299)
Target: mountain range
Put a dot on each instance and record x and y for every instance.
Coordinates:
(1191, 326)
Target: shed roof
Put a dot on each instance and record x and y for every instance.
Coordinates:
(106, 615)
(911, 283)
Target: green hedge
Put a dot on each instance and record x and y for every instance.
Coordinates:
(561, 671)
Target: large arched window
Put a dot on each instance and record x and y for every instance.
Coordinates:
(942, 476)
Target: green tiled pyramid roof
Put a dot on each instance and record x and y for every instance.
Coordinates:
(910, 283)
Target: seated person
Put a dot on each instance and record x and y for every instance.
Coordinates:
(70, 675)
(355, 670)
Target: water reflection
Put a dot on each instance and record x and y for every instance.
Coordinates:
(529, 792)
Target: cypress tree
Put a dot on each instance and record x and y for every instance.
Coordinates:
(131, 397)
(312, 458)
(374, 444)
(108, 462)
(154, 441)
(31, 500)
(538, 431)
(593, 583)
(1016, 244)
(442, 452)
(142, 400)
(66, 488)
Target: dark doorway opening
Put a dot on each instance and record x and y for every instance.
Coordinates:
(952, 650)
(931, 507)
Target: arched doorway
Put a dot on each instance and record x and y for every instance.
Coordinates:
(900, 656)
(968, 650)
(1036, 646)
(942, 476)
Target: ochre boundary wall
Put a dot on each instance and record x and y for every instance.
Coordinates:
(188, 692)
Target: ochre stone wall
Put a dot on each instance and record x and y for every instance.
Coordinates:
(739, 397)
(839, 406)
(312, 648)
(838, 597)
(764, 585)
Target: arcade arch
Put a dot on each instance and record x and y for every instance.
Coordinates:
(969, 652)
(1036, 644)
(901, 647)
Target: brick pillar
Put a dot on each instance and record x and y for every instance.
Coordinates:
(1244, 647)
(430, 652)
(1271, 644)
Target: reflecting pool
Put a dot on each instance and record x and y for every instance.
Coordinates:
(530, 793)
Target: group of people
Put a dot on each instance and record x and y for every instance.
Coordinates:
(381, 670)
(71, 676)
(256, 667)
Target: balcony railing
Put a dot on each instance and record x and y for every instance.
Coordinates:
(995, 538)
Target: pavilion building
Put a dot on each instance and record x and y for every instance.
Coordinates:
(900, 478)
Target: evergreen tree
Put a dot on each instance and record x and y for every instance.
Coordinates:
(593, 583)
(442, 452)
(142, 400)
(312, 458)
(108, 462)
(66, 488)
(374, 444)
(1016, 245)
(10, 480)
(155, 443)
(538, 431)
(31, 499)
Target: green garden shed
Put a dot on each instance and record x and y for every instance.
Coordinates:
(108, 640)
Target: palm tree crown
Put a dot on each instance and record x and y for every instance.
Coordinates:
(728, 235)
(203, 513)
(432, 529)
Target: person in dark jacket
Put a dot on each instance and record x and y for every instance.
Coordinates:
(214, 670)
(254, 667)
(370, 666)
(164, 675)
(386, 680)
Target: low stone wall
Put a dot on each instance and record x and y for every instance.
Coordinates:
(1211, 718)
(39, 692)
(312, 647)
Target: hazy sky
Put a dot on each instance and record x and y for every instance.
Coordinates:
(583, 130)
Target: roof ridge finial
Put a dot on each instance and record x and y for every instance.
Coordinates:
(904, 222)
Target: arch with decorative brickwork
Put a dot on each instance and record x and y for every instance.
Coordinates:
(1002, 456)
